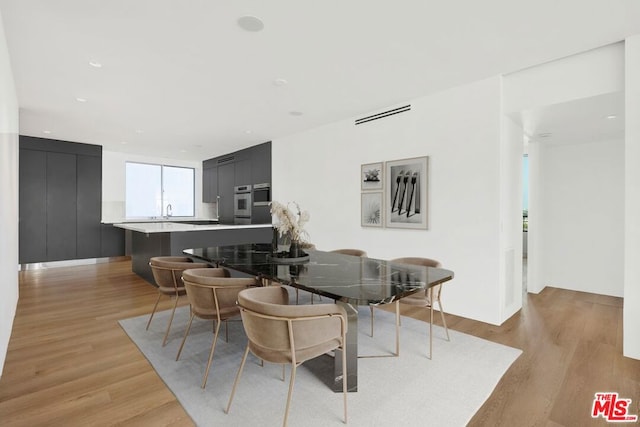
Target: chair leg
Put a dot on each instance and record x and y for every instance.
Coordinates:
(293, 378)
(283, 376)
(173, 312)
(444, 322)
(213, 349)
(398, 328)
(371, 309)
(344, 380)
(154, 310)
(226, 331)
(430, 323)
(235, 383)
(186, 333)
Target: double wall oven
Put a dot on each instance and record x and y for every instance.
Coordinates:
(242, 204)
(251, 204)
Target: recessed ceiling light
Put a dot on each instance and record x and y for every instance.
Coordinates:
(280, 82)
(138, 130)
(123, 142)
(95, 64)
(545, 134)
(250, 23)
(46, 131)
(612, 116)
(295, 113)
(183, 151)
(248, 131)
(81, 99)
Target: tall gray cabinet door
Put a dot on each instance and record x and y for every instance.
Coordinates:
(89, 205)
(61, 206)
(226, 182)
(33, 206)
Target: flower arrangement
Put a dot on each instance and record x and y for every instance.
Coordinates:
(289, 223)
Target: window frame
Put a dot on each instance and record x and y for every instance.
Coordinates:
(162, 191)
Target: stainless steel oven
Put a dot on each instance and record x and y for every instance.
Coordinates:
(242, 204)
(262, 194)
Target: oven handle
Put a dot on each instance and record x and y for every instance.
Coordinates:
(261, 203)
(218, 207)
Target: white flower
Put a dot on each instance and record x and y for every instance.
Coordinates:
(289, 223)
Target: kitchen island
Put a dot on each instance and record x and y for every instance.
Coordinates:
(149, 239)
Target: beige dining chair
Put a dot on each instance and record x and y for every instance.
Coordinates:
(167, 271)
(290, 334)
(352, 252)
(212, 295)
(425, 298)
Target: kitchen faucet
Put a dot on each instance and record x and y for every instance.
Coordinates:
(169, 210)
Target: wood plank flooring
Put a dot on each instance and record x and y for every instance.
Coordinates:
(69, 362)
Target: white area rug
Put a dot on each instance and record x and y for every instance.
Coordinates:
(409, 390)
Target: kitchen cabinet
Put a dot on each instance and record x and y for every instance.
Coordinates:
(221, 174)
(209, 184)
(60, 198)
(226, 182)
(243, 167)
(33, 206)
(89, 207)
(61, 206)
(261, 163)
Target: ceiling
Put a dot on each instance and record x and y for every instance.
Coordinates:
(183, 80)
(597, 118)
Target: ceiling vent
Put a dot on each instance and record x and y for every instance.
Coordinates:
(384, 114)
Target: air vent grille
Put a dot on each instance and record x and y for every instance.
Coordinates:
(226, 159)
(384, 114)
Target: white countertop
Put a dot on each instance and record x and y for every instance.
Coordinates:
(170, 227)
(141, 220)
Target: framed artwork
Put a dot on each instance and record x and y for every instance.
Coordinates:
(406, 193)
(371, 176)
(371, 209)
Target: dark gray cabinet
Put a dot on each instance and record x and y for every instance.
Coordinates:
(219, 176)
(261, 163)
(33, 206)
(226, 182)
(89, 207)
(60, 197)
(209, 184)
(61, 206)
(243, 167)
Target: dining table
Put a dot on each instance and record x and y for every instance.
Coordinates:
(348, 280)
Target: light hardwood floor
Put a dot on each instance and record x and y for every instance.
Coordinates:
(69, 362)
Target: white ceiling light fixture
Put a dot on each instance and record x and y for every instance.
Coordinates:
(46, 131)
(295, 113)
(545, 134)
(95, 64)
(612, 116)
(79, 99)
(250, 23)
(280, 82)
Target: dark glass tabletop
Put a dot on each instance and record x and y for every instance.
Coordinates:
(346, 278)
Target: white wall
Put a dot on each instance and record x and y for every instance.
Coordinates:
(460, 130)
(511, 153)
(631, 342)
(8, 198)
(595, 72)
(583, 211)
(114, 186)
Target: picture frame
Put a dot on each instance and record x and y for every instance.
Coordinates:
(372, 176)
(371, 209)
(406, 193)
